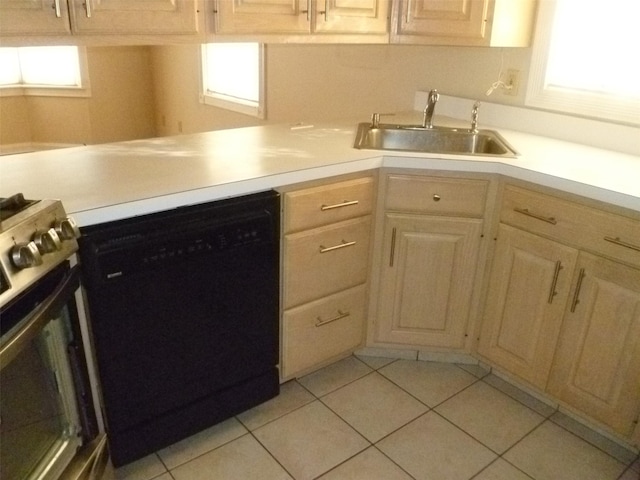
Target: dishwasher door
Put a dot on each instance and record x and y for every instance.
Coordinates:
(184, 315)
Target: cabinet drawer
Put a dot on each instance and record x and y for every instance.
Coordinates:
(436, 195)
(325, 260)
(317, 331)
(587, 228)
(316, 206)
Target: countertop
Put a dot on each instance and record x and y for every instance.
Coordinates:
(111, 181)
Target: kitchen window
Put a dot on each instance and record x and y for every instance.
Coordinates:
(233, 77)
(585, 60)
(44, 71)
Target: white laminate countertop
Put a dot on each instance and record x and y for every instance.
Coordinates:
(111, 181)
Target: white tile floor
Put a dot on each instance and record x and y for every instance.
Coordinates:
(373, 418)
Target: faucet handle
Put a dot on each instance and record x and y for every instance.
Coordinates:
(474, 117)
(375, 119)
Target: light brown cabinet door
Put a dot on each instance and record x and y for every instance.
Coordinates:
(453, 19)
(352, 16)
(528, 290)
(427, 280)
(34, 17)
(495, 23)
(122, 17)
(262, 16)
(597, 364)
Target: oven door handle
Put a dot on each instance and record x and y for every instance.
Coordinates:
(38, 318)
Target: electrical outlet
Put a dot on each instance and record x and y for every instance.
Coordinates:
(513, 81)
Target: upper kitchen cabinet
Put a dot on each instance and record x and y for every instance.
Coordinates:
(489, 23)
(313, 20)
(91, 21)
(122, 17)
(34, 17)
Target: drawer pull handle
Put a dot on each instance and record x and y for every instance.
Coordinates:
(525, 211)
(346, 203)
(436, 197)
(617, 241)
(336, 247)
(340, 316)
(576, 294)
(552, 292)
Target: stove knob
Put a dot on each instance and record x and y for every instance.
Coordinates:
(67, 229)
(26, 255)
(47, 241)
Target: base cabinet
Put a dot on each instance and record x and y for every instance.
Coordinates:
(597, 364)
(426, 260)
(563, 305)
(528, 290)
(425, 285)
(325, 267)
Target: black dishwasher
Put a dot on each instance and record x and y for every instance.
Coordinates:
(183, 309)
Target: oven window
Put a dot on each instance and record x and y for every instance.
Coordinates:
(39, 420)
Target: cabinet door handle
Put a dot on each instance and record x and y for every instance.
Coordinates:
(525, 211)
(346, 203)
(336, 247)
(339, 316)
(617, 241)
(307, 11)
(552, 292)
(576, 294)
(393, 246)
(325, 12)
(56, 7)
(87, 7)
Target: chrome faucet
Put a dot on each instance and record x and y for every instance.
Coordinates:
(474, 117)
(427, 121)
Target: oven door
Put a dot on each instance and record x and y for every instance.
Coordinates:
(44, 414)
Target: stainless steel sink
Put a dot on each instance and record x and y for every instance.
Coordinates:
(410, 138)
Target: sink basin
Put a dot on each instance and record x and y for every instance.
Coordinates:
(434, 140)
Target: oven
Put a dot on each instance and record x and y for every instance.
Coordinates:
(48, 425)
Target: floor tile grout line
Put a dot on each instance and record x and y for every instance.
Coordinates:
(203, 453)
(401, 427)
(555, 410)
(422, 401)
(524, 392)
(504, 460)
(392, 460)
(272, 456)
(370, 444)
(341, 386)
(390, 433)
(250, 430)
(502, 455)
(359, 453)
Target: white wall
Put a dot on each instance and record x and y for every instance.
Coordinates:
(319, 82)
(140, 92)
